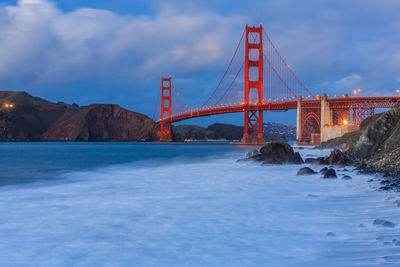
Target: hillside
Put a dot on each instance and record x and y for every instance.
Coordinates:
(272, 132)
(376, 144)
(35, 119)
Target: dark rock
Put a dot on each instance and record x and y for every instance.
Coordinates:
(296, 158)
(309, 160)
(387, 243)
(258, 158)
(281, 150)
(330, 234)
(378, 221)
(323, 170)
(305, 171)
(389, 224)
(338, 158)
(330, 173)
(384, 223)
(311, 195)
(277, 153)
(386, 174)
(252, 153)
(346, 177)
(385, 188)
(361, 225)
(320, 161)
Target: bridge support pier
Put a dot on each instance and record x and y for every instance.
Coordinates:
(321, 120)
(165, 132)
(253, 127)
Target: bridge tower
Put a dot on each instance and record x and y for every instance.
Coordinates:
(253, 81)
(166, 102)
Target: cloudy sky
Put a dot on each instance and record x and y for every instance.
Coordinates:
(99, 51)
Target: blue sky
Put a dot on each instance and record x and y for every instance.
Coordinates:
(116, 51)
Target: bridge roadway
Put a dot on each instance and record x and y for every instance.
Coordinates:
(345, 102)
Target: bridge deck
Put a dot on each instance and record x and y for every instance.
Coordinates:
(348, 102)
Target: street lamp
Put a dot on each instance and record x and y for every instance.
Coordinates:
(355, 92)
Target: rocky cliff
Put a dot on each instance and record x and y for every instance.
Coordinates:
(376, 144)
(379, 143)
(35, 119)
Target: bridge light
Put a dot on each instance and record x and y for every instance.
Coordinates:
(345, 122)
(398, 91)
(8, 105)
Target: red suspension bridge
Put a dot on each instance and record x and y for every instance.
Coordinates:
(258, 79)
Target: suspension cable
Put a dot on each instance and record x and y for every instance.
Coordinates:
(226, 71)
(157, 102)
(290, 70)
(230, 86)
(177, 94)
(280, 78)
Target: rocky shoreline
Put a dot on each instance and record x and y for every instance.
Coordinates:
(375, 147)
(336, 162)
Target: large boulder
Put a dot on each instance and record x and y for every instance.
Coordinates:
(296, 158)
(277, 153)
(330, 173)
(337, 157)
(320, 161)
(306, 171)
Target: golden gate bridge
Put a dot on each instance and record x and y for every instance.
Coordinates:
(258, 79)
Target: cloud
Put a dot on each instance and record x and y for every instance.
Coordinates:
(330, 45)
(40, 43)
(349, 82)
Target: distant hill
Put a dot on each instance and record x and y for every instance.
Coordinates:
(272, 132)
(34, 119)
(286, 131)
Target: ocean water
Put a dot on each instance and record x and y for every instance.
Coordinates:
(138, 204)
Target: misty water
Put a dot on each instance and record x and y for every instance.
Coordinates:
(138, 204)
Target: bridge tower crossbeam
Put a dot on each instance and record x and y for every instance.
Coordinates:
(253, 65)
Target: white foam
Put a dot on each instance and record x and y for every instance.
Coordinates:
(210, 213)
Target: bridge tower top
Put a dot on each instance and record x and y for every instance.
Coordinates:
(166, 98)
